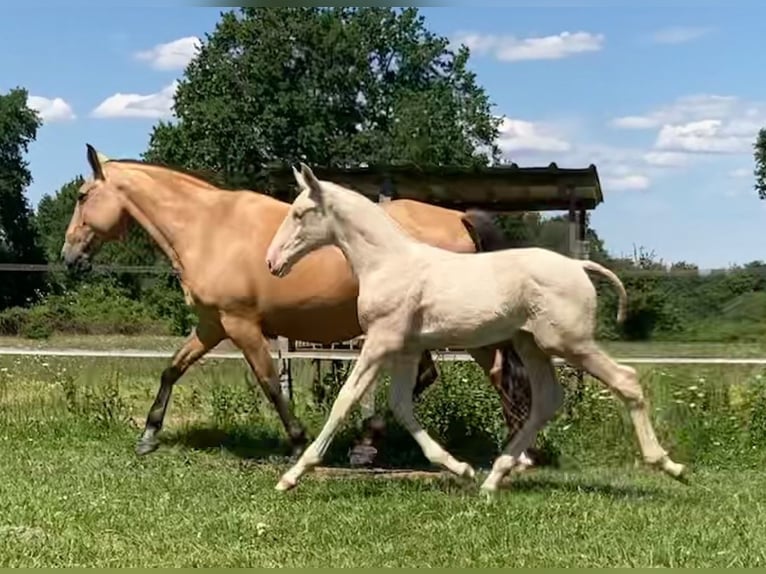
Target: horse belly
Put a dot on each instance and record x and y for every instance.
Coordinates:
(469, 326)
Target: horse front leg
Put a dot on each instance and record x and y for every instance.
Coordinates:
(201, 340)
(360, 379)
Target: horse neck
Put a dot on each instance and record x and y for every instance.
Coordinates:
(365, 233)
(167, 212)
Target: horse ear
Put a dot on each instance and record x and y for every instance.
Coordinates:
(315, 188)
(96, 161)
(298, 178)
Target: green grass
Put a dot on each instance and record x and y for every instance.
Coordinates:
(73, 493)
(75, 497)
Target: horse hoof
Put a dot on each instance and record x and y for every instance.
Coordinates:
(362, 456)
(465, 470)
(678, 471)
(145, 447)
(284, 485)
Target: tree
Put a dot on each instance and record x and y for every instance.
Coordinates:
(18, 237)
(759, 155)
(330, 86)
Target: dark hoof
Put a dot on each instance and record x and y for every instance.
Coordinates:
(145, 447)
(362, 455)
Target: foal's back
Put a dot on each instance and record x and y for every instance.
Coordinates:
(484, 295)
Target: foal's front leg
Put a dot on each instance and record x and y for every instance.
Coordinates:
(404, 370)
(359, 380)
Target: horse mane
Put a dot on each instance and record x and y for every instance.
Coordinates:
(205, 176)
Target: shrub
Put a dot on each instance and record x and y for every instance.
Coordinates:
(94, 308)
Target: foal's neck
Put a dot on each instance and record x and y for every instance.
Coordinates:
(368, 237)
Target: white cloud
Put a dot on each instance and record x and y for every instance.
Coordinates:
(173, 55)
(741, 172)
(51, 110)
(704, 136)
(701, 124)
(666, 158)
(679, 34)
(513, 49)
(630, 182)
(520, 136)
(154, 106)
(685, 109)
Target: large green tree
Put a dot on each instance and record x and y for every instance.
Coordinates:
(18, 238)
(331, 86)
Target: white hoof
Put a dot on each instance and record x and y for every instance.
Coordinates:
(285, 484)
(465, 470)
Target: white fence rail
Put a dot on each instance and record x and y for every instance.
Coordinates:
(348, 355)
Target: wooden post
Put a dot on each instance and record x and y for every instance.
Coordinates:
(584, 247)
(576, 245)
(573, 231)
(284, 345)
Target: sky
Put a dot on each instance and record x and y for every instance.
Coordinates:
(665, 101)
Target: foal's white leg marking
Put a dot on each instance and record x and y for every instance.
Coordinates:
(403, 369)
(547, 398)
(623, 381)
(359, 380)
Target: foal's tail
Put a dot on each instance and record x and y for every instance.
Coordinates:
(589, 265)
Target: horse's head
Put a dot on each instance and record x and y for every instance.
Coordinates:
(99, 215)
(305, 228)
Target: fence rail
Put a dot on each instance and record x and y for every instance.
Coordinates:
(350, 355)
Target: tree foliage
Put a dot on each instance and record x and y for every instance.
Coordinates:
(759, 155)
(331, 86)
(18, 238)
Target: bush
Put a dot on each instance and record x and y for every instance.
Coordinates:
(93, 309)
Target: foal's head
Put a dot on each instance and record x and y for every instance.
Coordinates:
(305, 228)
(99, 215)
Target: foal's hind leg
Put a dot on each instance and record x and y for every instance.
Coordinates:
(403, 369)
(623, 381)
(547, 398)
(201, 340)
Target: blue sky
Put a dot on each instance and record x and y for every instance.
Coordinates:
(663, 100)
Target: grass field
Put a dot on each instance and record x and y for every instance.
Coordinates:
(73, 493)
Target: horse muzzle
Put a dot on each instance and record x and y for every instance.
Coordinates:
(75, 260)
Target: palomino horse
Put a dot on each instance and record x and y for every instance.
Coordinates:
(216, 241)
(414, 296)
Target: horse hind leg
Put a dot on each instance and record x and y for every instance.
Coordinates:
(202, 339)
(247, 335)
(623, 381)
(547, 396)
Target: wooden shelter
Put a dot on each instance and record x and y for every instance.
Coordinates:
(499, 189)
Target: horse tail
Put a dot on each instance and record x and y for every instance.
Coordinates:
(485, 233)
(589, 265)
